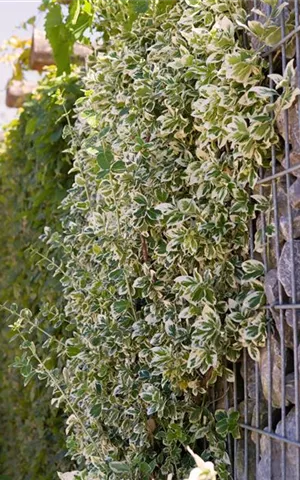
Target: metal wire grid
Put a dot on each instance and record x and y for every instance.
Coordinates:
(272, 440)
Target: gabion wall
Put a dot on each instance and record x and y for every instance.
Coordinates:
(267, 393)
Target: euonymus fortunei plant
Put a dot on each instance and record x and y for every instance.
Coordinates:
(160, 294)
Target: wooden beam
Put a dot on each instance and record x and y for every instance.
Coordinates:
(16, 92)
(41, 51)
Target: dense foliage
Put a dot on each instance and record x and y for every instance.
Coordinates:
(157, 297)
(85, 18)
(34, 177)
(159, 293)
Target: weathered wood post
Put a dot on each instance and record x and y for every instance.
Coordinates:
(16, 92)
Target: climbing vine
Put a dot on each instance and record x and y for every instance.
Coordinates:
(33, 180)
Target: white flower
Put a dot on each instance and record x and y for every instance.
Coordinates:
(203, 471)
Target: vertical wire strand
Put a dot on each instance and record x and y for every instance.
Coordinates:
(235, 406)
(293, 272)
(295, 312)
(269, 332)
(227, 406)
(280, 295)
(245, 361)
(281, 315)
(246, 433)
(270, 390)
(257, 415)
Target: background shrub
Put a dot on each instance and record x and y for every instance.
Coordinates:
(34, 177)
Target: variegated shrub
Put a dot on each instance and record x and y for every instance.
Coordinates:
(161, 296)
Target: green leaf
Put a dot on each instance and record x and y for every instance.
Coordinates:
(164, 5)
(141, 199)
(74, 11)
(276, 78)
(252, 332)
(96, 410)
(221, 423)
(253, 269)
(98, 388)
(73, 350)
(118, 167)
(256, 28)
(227, 423)
(273, 36)
(121, 306)
(140, 6)
(119, 467)
(145, 468)
(254, 300)
(185, 280)
(105, 158)
(290, 72)
(233, 425)
(146, 396)
(80, 18)
(254, 352)
(60, 38)
(264, 92)
(272, 3)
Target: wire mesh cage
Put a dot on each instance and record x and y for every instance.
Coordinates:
(267, 393)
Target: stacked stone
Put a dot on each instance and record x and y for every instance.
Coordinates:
(263, 383)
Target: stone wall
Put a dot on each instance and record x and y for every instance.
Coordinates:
(269, 387)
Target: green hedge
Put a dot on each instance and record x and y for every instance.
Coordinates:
(34, 177)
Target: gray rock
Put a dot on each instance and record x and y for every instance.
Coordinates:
(272, 294)
(241, 474)
(251, 392)
(264, 441)
(274, 375)
(290, 320)
(293, 130)
(270, 465)
(282, 205)
(285, 267)
(294, 161)
(294, 194)
(290, 388)
(251, 377)
(271, 287)
(286, 331)
(266, 189)
(270, 242)
(281, 197)
(240, 451)
(285, 225)
(262, 409)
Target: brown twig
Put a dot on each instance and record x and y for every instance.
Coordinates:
(145, 253)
